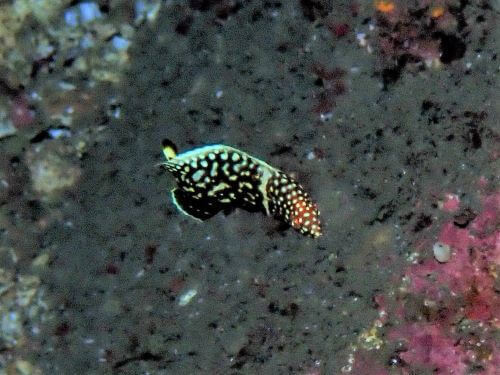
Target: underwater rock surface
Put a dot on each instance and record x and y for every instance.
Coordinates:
(386, 111)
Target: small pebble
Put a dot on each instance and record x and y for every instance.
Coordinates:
(120, 43)
(442, 252)
(187, 297)
(89, 11)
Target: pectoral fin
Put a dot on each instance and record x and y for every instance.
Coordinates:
(199, 209)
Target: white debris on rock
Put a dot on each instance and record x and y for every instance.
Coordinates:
(442, 252)
(187, 296)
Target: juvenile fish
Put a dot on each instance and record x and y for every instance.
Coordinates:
(218, 177)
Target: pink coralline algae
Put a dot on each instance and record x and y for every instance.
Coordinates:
(429, 346)
(472, 269)
(467, 284)
(444, 317)
(451, 203)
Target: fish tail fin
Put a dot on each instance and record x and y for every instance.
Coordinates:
(169, 149)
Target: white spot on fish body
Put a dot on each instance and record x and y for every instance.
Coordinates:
(218, 188)
(198, 175)
(213, 172)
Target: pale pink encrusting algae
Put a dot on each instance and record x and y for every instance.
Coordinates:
(444, 317)
(470, 272)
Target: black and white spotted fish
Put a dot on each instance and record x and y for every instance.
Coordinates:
(218, 177)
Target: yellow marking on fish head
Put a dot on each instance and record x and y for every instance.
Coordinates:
(169, 152)
(169, 149)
